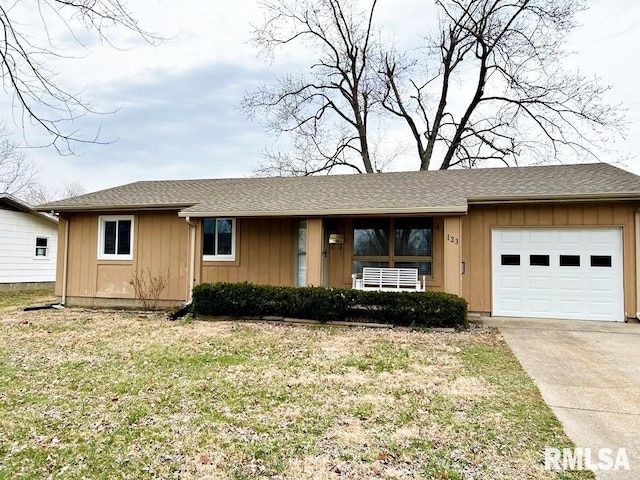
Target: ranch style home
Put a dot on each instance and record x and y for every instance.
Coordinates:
(546, 241)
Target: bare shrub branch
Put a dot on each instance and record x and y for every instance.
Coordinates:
(148, 287)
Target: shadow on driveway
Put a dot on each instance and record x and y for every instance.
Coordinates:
(589, 374)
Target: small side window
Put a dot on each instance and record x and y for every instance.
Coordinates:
(115, 237)
(42, 247)
(510, 260)
(539, 260)
(569, 260)
(600, 260)
(218, 239)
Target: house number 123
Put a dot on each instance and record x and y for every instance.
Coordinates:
(452, 239)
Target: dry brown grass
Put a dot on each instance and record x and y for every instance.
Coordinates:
(119, 395)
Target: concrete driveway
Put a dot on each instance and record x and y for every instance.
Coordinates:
(589, 374)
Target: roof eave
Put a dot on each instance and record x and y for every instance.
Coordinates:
(457, 210)
(112, 207)
(23, 207)
(592, 197)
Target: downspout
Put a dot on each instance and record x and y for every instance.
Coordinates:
(637, 229)
(192, 259)
(65, 263)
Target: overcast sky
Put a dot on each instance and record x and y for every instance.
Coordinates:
(176, 103)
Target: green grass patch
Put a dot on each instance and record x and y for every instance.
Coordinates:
(22, 298)
(113, 396)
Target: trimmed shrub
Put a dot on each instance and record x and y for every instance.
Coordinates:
(429, 309)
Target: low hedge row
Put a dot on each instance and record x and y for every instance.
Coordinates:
(429, 309)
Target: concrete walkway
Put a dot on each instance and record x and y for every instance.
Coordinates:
(589, 374)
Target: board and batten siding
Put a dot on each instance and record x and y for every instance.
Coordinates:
(160, 244)
(18, 262)
(265, 254)
(476, 240)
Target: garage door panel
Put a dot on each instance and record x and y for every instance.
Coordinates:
(570, 284)
(510, 236)
(540, 237)
(602, 307)
(573, 307)
(603, 285)
(600, 239)
(507, 282)
(540, 307)
(540, 283)
(511, 305)
(562, 273)
(569, 238)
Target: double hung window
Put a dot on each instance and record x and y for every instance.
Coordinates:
(115, 237)
(218, 241)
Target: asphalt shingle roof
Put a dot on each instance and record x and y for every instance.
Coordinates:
(396, 192)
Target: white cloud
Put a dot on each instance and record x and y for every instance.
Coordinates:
(178, 117)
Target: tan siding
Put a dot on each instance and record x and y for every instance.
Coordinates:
(437, 280)
(264, 254)
(60, 255)
(314, 251)
(560, 215)
(452, 255)
(82, 269)
(160, 245)
(546, 217)
(476, 241)
(339, 256)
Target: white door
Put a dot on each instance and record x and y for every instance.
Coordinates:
(572, 273)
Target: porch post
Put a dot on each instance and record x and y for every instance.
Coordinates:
(314, 252)
(453, 255)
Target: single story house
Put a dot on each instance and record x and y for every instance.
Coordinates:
(545, 241)
(28, 245)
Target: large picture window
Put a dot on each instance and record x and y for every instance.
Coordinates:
(115, 237)
(218, 241)
(395, 242)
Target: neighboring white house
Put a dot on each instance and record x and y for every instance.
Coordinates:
(28, 244)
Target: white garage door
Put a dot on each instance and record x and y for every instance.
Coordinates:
(572, 273)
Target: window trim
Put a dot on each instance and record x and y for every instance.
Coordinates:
(391, 258)
(102, 219)
(220, 258)
(46, 256)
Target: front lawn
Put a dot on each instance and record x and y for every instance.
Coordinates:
(22, 298)
(116, 395)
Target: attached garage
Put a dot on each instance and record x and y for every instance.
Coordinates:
(556, 241)
(566, 273)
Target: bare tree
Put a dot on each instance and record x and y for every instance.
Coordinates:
(17, 174)
(491, 85)
(327, 110)
(24, 58)
(40, 193)
(521, 100)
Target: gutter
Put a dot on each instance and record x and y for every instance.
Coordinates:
(112, 207)
(192, 256)
(458, 209)
(566, 198)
